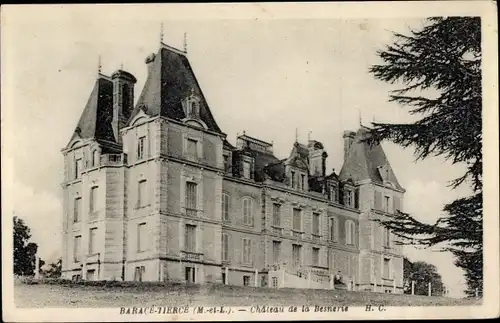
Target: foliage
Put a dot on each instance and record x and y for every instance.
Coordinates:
(439, 68)
(422, 273)
(24, 250)
(54, 270)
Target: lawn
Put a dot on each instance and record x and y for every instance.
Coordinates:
(72, 295)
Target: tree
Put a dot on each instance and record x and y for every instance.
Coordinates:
(422, 273)
(439, 70)
(54, 270)
(24, 250)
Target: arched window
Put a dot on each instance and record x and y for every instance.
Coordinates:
(247, 211)
(350, 232)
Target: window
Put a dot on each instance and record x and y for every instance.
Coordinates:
(226, 162)
(126, 100)
(78, 168)
(315, 224)
(276, 215)
(95, 158)
(193, 110)
(93, 199)
(77, 209)
(190, 238)
(246, 169)
(190, 274)
(387, 268)
(387, 237)
(293, 179)
(142, 236)
(297, 220)
(225, 207)
(192, 148)
(348, 198)
(191, 198)
(247, 251)
(351, 265)
(142, 194)
(246, 280)
(276, 251)
(92, 241)
(386, 203)
(331, 260)
(224, 279)
(350, 232)
(302, 181)
(225, 247)
(274, 282)
(77, 248)
(296, 255)
(333, 193)
(140, 148)
(333, 229)
(315, 256)
(247, 211)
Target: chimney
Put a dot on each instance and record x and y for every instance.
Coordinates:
(323, 163)
(316, 158)
(123, 99)
(348, 140)
(149, 61)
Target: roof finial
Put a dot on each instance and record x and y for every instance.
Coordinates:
(309, 136)
(99, 64)
(185, 43)
(121, 66)
(244, 132)
(161, 33)
(360, 119)
(296, 134)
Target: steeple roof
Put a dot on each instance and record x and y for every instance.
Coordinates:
(170, 80)
(95, 120)
(365, 161)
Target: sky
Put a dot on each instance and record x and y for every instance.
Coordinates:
(267, 77)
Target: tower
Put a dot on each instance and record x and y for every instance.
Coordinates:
(379, 194)
(123, 100)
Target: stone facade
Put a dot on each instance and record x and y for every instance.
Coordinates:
(156, 193)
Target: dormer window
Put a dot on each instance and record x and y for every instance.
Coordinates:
(348, 198)
(193, 110)
(293, 179)
(140, 147)
(95, 158)
(384, 172)
(246, 169)
(303, 181)
(226, 162)
(333, 193)
(191, 105)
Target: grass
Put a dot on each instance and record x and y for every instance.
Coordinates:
(117, 294)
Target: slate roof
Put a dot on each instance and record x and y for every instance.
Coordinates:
(363, 160)
(170, 80)
(95, 120)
